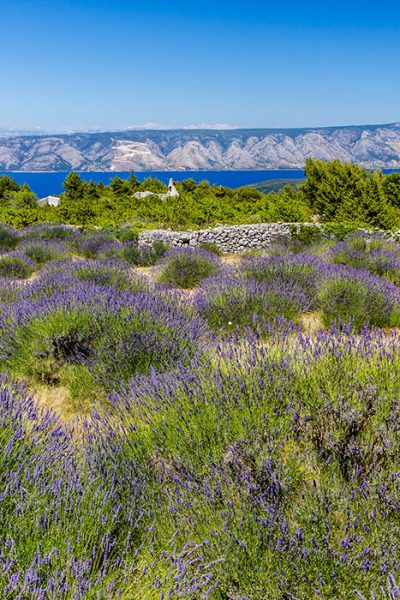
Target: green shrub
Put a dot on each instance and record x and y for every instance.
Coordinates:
(42, 253)
(8, 238)
(128, 235)
(211, 247)
(359, 300)
(131, 253)
(306, 234)
(143, 257)
(185, 268)
(109, 273)
(339, 230)
(16, 265)
(160, 248)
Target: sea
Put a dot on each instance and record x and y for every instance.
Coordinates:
(47, 184)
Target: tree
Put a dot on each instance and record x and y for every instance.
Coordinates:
(378, 211)
(154, 185)
(189, 185)
(119, 187)
(391, 186)
(91, 191)
(133, 181)
(7, 185)
(84, 213)
(330, 185)
(289, 205)
(74, 186)
(23, 198)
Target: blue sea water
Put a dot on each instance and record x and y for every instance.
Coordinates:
(46, 184)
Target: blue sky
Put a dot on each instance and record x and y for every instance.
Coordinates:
(86, 64)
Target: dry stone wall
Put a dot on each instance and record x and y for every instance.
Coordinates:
(235, 238)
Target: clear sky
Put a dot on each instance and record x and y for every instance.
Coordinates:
(114, 64)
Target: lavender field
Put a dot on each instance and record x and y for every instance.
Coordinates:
(183, 424)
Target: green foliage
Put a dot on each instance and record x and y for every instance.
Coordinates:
(92, 191)
(23, 198)
(288, 205)
(339, 230)
(154, 185)
(186, 268)
(188, 185)
(211, 247)
(391, 186)
(128, 235)
(41, 253)
(143, 257)
(306, 234)
(8, 238)
(119, 187)
(346, 192)
(7, 185)
(15, 196)
(337, 192)
(15, 266)
(74, 186)
(133, 181)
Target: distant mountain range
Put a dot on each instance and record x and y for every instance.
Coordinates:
(238, 149)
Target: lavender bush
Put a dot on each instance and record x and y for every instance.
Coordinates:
(354, 296)
(186, 267)
(9, 238)
(63, 531)
(91, 246)
(114, 273)
(300, 270)
(374, 255)
(143, 257)
(43, 251)
(16, 265)
(51, 231)
(89, 338)
(229, 302)
(285, 460)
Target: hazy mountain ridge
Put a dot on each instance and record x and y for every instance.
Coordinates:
(239, 149)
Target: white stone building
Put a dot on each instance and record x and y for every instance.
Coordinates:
(49, 201)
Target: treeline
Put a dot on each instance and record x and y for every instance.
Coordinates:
(332, 192)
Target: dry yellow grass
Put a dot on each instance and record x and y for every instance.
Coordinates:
(57, 399)
(311, 322)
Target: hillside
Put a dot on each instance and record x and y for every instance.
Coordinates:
(240, 149)
(275, 185)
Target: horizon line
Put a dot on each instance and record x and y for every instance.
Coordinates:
(7, 132)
